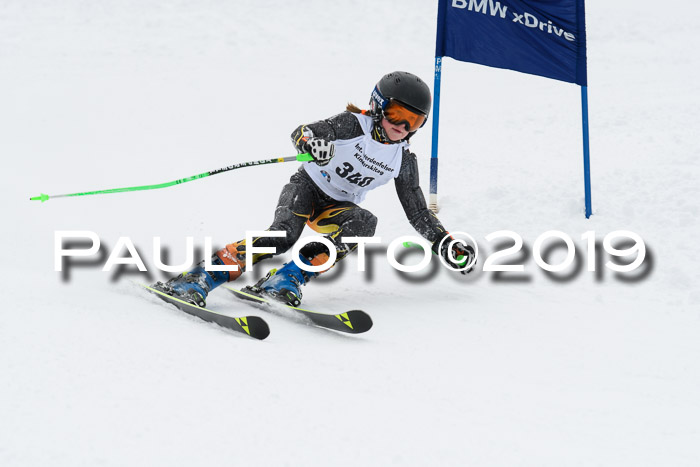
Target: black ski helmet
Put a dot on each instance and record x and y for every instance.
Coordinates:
(404, 87)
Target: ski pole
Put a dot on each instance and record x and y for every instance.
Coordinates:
(299, 157)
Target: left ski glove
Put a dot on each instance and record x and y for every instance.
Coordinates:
(321, 150)
(462, 254)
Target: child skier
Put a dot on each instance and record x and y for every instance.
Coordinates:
(354, 152)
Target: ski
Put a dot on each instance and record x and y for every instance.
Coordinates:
(353, 321)
(252, 326)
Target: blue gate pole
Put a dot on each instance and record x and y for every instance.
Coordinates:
(436, 125)
(586, 151)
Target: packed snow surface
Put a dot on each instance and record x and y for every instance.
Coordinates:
(575, 368)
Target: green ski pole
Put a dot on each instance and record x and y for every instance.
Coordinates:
(299, 157)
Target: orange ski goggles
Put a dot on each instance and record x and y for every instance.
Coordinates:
(398, 114)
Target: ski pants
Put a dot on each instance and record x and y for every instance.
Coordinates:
(303, 203)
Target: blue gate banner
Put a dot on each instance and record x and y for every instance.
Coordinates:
(540, 37)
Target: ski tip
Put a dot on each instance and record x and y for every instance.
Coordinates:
(361, 321)
(253, 326)
(258, 327)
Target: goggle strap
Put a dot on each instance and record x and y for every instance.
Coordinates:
(379, 98)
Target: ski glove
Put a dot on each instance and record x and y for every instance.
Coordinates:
(321, 150)
(462, 254)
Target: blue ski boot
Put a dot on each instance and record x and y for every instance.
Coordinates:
(284, 284)
(194, 286)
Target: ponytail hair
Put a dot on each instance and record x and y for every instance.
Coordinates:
(354, 109)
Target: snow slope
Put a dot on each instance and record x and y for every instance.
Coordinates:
(478, 370)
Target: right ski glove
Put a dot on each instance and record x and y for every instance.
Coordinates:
(321, 150)
(462, 254)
